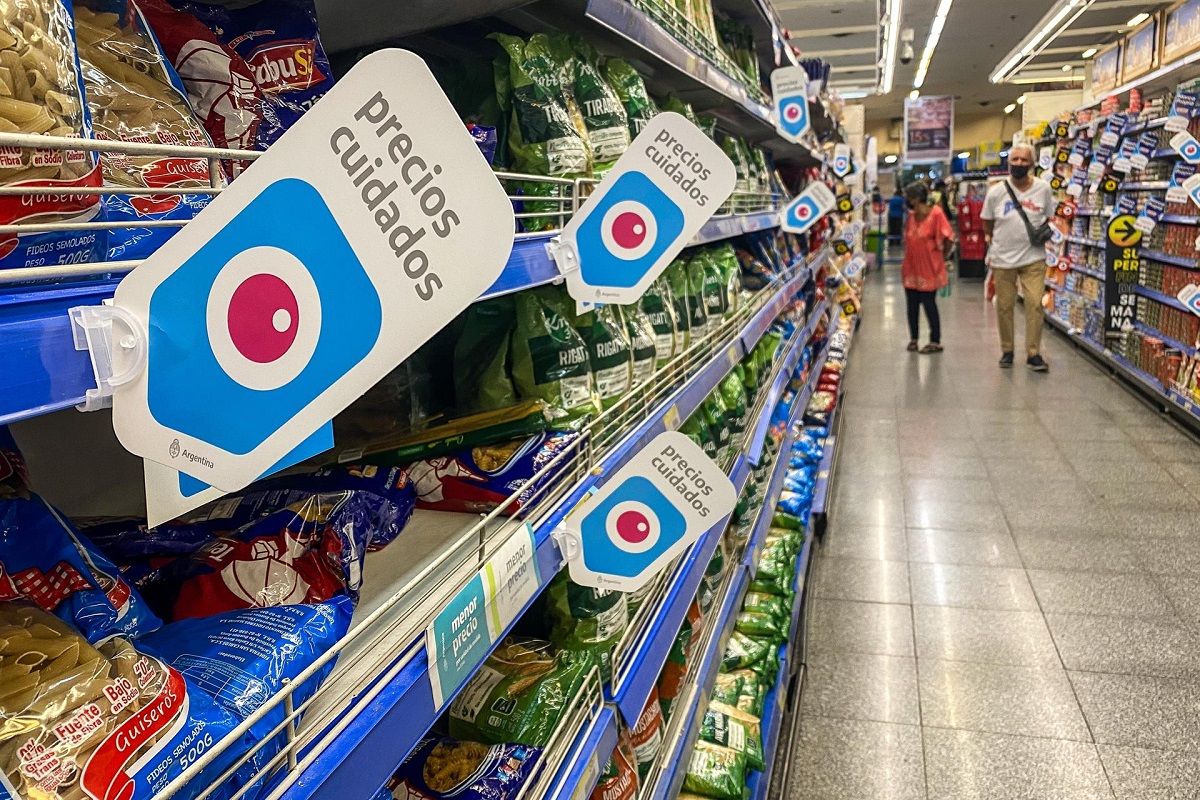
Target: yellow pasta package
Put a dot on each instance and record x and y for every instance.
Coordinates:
(104, 722)
(41, 93)
(134, 95)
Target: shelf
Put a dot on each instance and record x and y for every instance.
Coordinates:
(1089, 272)
(41, 371)
(1093, 212)
(1165, 299)
(1180, 219)
(1143, 186)
(1087, 300)
(1083, 240)
(1166, 258)
(589, 753)
(1165, 152)
(1157, 122)
(1167, 340)
(758, 784)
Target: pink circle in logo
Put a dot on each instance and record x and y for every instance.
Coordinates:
(792, 112)
(629, 230)
(633, 526)
(263, 318)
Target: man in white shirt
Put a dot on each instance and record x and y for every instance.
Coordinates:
(1012, 255)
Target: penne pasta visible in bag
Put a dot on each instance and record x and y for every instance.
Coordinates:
(41, 93)
(134, 95)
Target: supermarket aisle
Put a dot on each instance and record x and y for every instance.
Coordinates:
(1007, 603)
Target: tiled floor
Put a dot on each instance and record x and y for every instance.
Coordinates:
(1007, 602)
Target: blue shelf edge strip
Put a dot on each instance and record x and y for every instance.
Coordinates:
(1165, 299)
(1168, 340)
(351, 765)
(1166, 258)
(591, 751)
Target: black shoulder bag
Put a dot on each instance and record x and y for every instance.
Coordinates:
(1037, 236)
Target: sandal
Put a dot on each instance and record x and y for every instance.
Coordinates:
(912, 346)
(932, 347)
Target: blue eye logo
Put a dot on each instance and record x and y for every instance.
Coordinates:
(793, 115)
(246, 313)
(1190, 151)
(803, 212)
(622, 238)
(630, 528)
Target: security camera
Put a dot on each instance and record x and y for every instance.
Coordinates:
(906, 46)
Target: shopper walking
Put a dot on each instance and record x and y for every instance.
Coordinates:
(895, 216)
(928, 241)
(1014, 215)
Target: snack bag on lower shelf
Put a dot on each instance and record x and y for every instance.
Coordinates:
(45, 561)
(751, 692)
(619, 778)
(716, 772)
(519, 694)
(440, 768)
(733, 728)
(728, 687)
(742, 651)
(98, 722)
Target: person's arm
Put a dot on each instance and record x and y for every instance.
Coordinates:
(989, 218)
(947, 235)
(987, 230)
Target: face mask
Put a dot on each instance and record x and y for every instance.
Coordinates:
(1018, 171)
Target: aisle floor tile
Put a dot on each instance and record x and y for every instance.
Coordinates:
(1159, 495)
(1016, 638)
(1139, 773)
(968, 765)
(837, 759)
(857, 686)
(959, 547)
(854, 627)
(971, 587)
(855, 579)
(949, 490)
(1140, 711)
(1164, 647)
(1184, 593)
(1023, 701)
(1069, 550)
(948, 467)
(1170, 556)
(1141, 522)
(879, 544)
(955, 516)
(1097, 593)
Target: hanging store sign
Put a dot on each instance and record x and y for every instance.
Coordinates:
(1141, 50)
(1106, 68)
(1176, 192)
(1190, 297)
(1122, 256)
(928, 129)
(654, 200)
(809, 206)
(841, 160)
(1187, 147)
(1181, 30)
(789, 87)
(647, 513)
(324, 265)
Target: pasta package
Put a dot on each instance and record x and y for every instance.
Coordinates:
(106, 722)
(41, 92)
(134, 95)
(440, 767)
(46, 562)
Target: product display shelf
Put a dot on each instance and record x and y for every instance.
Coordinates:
(390, 708)
(1165, 299)
(1084, 241)
(774, 705)
(1055, 287)
(1166, 258)
(638, 662)
(1180, 219)
(1092, 212)
(1186, 349)
(1143, 186)
(822, 491)
(1087, 271)
(1138, 127)
(589, 753)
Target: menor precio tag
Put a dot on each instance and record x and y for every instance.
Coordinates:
(647, 513)
(368, 226)
(806, 208)
(789, 87)
(670, 181)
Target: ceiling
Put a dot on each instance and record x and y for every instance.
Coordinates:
(977, 36)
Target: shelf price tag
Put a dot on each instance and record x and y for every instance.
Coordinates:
(1186, 145)
(1190, 297)
(1192, 187)
(669, 182)
(1151, 214)
(789, 87)
(809, 206)
(842, 164)
(647, 513)
(322, 267)
(462, 634)
(1176, 193)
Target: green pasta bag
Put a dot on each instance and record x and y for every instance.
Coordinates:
(607, 343)
(603, 113)
(715, 414)
(658, 303)
(743, 651)
(697, 429)
(729, 726)
(715, 771)
(519, 694)
(481, 357)
(727, 687)
(550, 362)
(586, 620)
(731, 272)
(715, 288)
(708, 124)
(629, 86)
(545, 136)
(677, 281)
(642, 343)
(673, 103)
(733, 149)
(697, 304)
(733, 394)
(760, 626)
(753, 693)
(769, 604)
(752, 380)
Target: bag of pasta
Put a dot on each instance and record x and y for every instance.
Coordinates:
(98, 722)
(640, 108)
(440, 768)
(586, 620)
(659, 307)
(134, 95)
(642, 344)
(41, 91)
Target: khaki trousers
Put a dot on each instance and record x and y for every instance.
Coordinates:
(1033, 282)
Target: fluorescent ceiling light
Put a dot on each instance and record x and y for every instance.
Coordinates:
(965, 154)
(854, 94)
(893, 12)
(1053, 24)
(1066, 67)
(1091, 51)
(1057, 78)
(1138, 19)
(935, 33)
(914, 94)
(1021, 100)
(890, 159)
(1011, 107)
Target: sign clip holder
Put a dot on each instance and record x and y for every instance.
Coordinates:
(98, 330)
(563, 255)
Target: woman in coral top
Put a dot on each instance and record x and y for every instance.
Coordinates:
(928, 241)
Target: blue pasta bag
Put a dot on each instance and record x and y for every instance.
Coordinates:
(801, 480)
(279, 42)
(243, 658)
(46, 562)
(57, 108)
(106, 722)
(135, 95)
(439, 768)
(795, 503)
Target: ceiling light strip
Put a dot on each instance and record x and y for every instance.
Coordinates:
(1051, 27)
(935, 33)
(891, 32)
